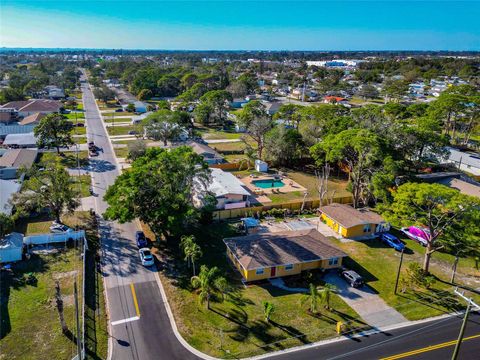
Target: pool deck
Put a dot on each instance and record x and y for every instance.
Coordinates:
(289, 186)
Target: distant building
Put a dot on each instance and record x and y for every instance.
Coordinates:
(29, 107)
(54, 92)
(7, 189)
(11, 248)
(210, 156)
(14, 159)
(32, 119)
(8, 115)
(454, 180)
(27, 140)
(468, 161)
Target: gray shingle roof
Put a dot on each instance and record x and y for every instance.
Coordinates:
(282, 248)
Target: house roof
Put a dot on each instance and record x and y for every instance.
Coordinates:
(348, 217)
(469, 158)
(18, 157)
(20, 139)
(35, 105)
(7, 189)
(336, 98)
(281, 248)
(201, 149)
(32, 119)
(12, 240)
(462, 186)
(224, 183)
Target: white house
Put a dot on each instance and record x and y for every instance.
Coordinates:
(229, 191)
(468, 161)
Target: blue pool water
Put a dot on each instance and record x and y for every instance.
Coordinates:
(268, 184)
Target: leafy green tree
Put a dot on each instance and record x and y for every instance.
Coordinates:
(208, 282)
(255, 119)
(268, 310)
(290, 113)
(448, 108)
(136, 149)
(162, 125)
(440, 209)
(313, 298)
(368, 91)
(358, 151)
(158, 189)
(53, 131)
(283, 146)
(104, 93)
(130, 107)
(213, 107)
(50, 188)
(6, 224)
(144, 94)
(395, 89)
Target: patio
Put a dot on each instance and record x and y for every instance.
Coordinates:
(288, 185)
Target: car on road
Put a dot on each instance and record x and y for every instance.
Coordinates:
(58, 228)
(353, 278)
(140, 239)
(392, 241)
(92, 152)
(146, 257)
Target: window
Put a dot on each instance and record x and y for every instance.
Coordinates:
(366, 228)
(333, 261)
(259, 272)
(289, 267)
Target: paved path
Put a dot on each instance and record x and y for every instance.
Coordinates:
(369, 305)
(139, 324)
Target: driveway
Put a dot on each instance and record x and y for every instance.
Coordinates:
(366, 303)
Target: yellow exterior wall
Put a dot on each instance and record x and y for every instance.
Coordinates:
(251, 275)
(354, 231)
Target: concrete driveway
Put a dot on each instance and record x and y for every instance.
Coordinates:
(366, 303)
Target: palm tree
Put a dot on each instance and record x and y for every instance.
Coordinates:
(208, 282)
(312, 297)
(191, 250)
(326, 294)
(268, 310)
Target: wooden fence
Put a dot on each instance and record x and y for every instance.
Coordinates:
(228, 166)
(290, 205)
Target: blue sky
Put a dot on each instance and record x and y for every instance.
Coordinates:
(242, 25)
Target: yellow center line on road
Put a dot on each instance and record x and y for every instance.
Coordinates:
(428, 348)
(135, 302)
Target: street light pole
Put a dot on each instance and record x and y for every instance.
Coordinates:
(398, 273)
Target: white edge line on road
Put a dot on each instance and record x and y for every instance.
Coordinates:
(123, 321)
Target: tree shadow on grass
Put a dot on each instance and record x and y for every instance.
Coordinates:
(440, 300)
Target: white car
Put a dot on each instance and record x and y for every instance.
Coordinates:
(59, 228)
(146, 257)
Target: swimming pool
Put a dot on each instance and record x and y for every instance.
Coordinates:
(268, 183)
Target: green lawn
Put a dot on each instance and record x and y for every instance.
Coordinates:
(236, 327)
(29, 315)
(121, 152)
(122, 130)
(379, 263)
(80, 140)
(69, 159)
(211, 133)
(82, 183)
(79, 130)
(117, 120)
(230, 146)
(71, 116)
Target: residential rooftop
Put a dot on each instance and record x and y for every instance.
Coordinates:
(281, 248)
(348, 217)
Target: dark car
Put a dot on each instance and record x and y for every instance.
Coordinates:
(354, 279)
(140, 239)
(118, 110)
(392, 241)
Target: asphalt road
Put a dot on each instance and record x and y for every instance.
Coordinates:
(140, 328)
(132, 292)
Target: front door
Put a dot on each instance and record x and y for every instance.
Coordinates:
(273, 271)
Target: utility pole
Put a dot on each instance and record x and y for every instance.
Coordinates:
(398, 273)
(464, 322)
(79, 346)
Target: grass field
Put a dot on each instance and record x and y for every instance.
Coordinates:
(79, 130)
(83, 183)
(123, 130)
(69, 159)
(117, 120)
(230, 146)
(236, 327)
(29, 315)
(121, 152)
(71, 116)
(211, 133)
(378, 264)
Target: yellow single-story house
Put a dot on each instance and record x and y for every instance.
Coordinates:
(352, 223)
(269, 255)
